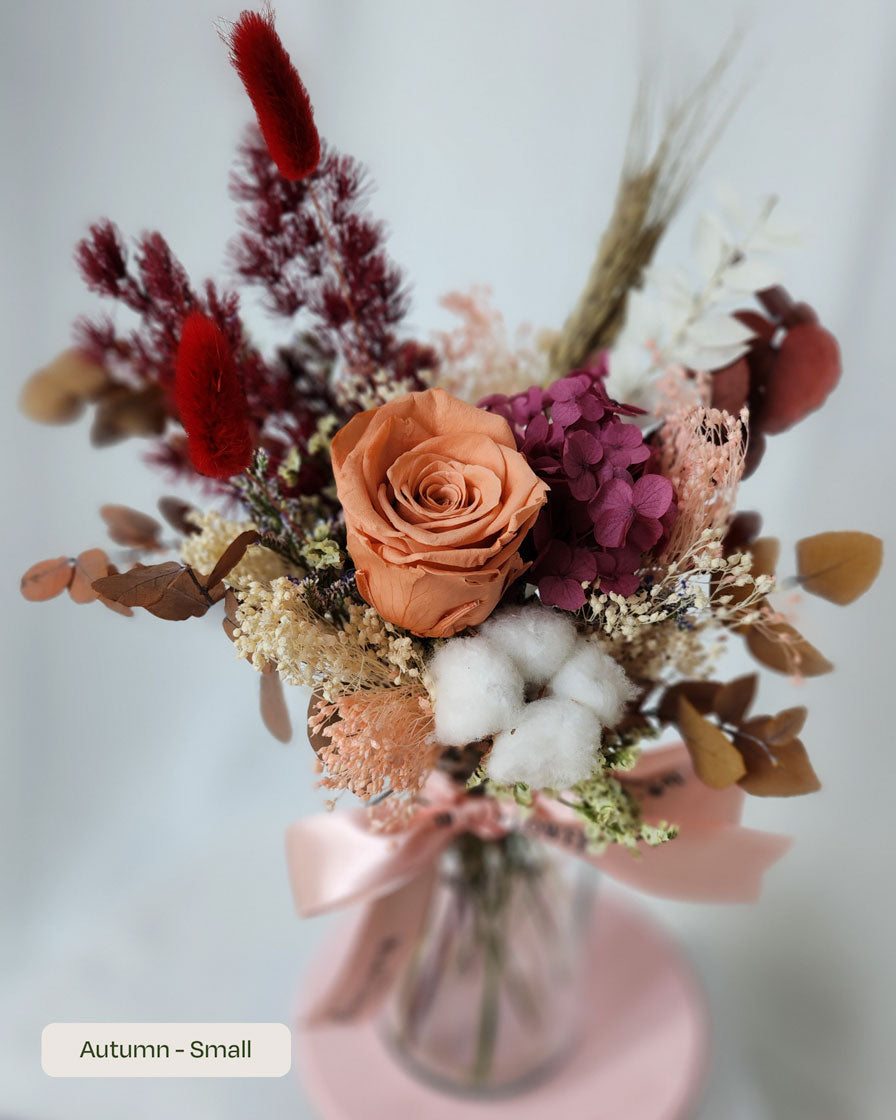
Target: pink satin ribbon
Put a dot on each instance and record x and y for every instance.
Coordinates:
(335, 859)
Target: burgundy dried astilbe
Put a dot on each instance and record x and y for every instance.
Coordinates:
(155, 286)
(312, 248)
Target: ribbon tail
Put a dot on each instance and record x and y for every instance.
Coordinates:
(381, 941)
(334, 859)
(723, 863)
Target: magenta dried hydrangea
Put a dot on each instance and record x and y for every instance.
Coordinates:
(606, 508)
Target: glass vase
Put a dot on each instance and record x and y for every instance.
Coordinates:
(490, 999)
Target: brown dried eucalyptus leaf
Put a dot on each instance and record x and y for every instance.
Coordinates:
(46, 579)
(130, 528)
(701, 695)
(716, 760)
(781, 771)
(229, 621)
(231, 556)
(124, 412)
(787, 725)
(88, 566)
(175, 513)
(839, 566)
(272, 703)
(786, 650)
(732, 700)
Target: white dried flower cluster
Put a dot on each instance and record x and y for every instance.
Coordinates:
(697, 589)
(652, 652)
(276, 626)
(391, 645)
(373, 391)
(665, 628)
(202, 551)
(541, 691)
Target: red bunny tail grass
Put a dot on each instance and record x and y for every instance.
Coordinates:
(277, 94)
(210, 400)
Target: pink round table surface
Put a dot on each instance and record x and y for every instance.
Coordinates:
(642, 1054)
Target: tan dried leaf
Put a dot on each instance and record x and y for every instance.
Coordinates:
(779, 646)
(46, 579)
(130, 528)
(716, 760)
(57, 393)
(732, 701)
(839, 566)
(787, 725)
(701, 694)
(782, 771)
(272, 703)
(88, 566)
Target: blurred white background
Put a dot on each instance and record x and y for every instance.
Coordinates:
(143, 805)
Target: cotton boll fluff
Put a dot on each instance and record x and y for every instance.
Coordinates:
(479, 691)
(482, 684)
(591, 677)
(552, 746)
(537, 639)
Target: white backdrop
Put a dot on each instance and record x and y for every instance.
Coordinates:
(142, 804)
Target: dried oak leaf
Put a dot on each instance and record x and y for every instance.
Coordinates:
(717, 761)
(732, 700)
(58, 393)
(171, 591)
(839, 566)
(784, 771)
(779, 646)
(272, 704)
(175, 512)
(130, 528)
(175, 591)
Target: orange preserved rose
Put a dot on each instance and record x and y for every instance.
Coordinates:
(437, 501)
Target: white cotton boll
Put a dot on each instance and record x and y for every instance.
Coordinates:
(537, 639)
(591, 677)
(552, 747)
(478, 691)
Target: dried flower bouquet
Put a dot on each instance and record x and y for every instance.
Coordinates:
(501, 568)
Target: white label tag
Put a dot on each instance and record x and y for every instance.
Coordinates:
(166, 1050)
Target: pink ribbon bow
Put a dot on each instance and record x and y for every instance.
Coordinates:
(336, 859)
